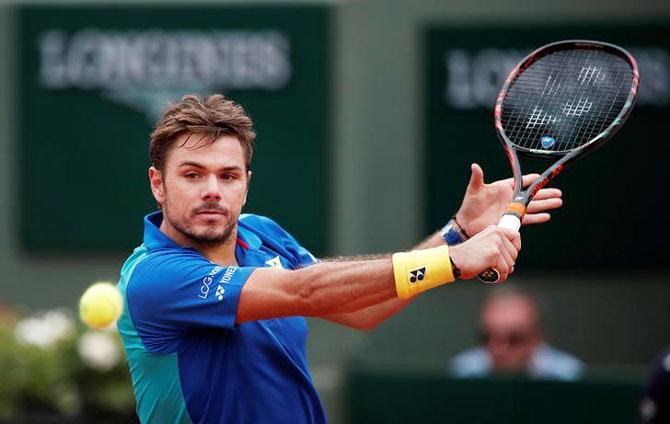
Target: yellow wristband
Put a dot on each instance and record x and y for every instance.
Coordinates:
(421, 270)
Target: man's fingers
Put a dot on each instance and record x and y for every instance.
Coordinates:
(503, 270)
(526, 180)
(509, 253)
(536, 218)
(529, 178)
(513, 237)
(543, 205)
(494, 247)
(536, 209)
(476, 177)
(506, 251)
(548, 193)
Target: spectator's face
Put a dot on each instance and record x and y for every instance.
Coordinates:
(202, 188)
(510, 332)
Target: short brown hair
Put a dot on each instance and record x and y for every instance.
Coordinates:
(211, 117)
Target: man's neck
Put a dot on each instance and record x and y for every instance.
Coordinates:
(222, 254)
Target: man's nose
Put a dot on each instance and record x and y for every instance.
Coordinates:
(211, 191)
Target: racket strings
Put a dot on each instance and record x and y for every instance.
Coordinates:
(599, 121)
(565, 99)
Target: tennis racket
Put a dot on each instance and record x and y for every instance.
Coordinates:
(561, 102)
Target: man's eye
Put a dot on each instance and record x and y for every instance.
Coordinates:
(191, 175)
(229, 177)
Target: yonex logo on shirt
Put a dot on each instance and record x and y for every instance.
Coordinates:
(220, 292)
(228, 274)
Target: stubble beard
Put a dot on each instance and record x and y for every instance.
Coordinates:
(209, 237)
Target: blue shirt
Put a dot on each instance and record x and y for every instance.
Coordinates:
(188, 360)
(546, 362)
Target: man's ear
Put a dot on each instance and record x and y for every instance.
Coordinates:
(157, 186)
(249, 174)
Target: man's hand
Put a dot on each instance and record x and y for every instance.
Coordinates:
(494, 247)
(484, 204)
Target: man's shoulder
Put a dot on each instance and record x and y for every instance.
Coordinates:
(258, 230)
(473, 354)
(170, 257)
(265, 229)
(551, 362)
(165, 265)
(260, 224)
(471, 363)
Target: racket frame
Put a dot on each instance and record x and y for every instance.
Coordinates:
(516, 209)
(521, 197)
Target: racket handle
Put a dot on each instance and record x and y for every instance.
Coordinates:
(491, 275)
(509, 221)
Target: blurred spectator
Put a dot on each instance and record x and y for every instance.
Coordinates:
(513, 343)
(655, 405)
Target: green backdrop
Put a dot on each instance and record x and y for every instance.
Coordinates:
(615, 200)
(392, 397)
(93, 80)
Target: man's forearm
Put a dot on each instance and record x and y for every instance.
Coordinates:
(319, 290)
(370, 317)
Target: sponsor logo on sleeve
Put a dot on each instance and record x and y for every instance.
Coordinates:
(220, 292)
(207, 282)
(228, 275)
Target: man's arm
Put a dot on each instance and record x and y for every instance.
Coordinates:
(370, 317)
(321, 289)
(482, 205)
(330, 288)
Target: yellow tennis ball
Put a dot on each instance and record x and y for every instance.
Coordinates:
(100, 305)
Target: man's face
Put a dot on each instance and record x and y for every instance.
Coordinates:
(510, 332)
(202, 189)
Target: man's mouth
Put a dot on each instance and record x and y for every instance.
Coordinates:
(211, 213)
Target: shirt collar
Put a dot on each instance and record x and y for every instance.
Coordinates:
(154, 238)
(247, 237)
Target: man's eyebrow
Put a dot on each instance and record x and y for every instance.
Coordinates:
(231, 168)
(193, 164)
(201, 166)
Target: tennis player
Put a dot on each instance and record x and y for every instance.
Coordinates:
(213, 321)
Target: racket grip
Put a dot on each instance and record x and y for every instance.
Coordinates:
(510, 221)
(491, 275)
